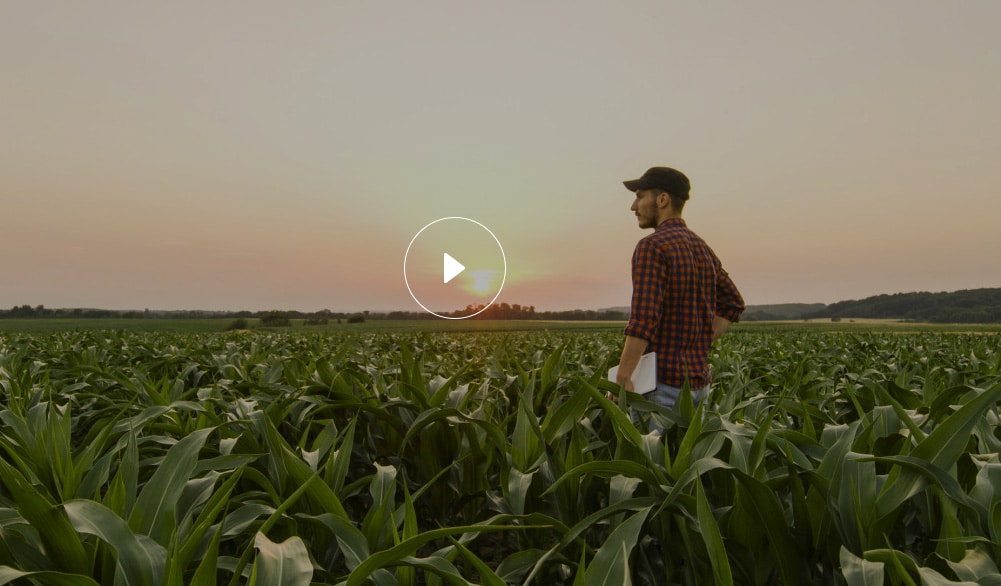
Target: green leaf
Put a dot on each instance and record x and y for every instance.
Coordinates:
(207, 572)
(611, 564)
(941, 448)
(8, 575)
(318, 492)
(950, 529)
(709, 530)
(581, 568)
(514, 567)
(525, 444)
(930, 577)
(767, 510)
(940, 479)
(273, 519)
(860, 572)
(53, 526)
(154, 511)
(853, 496)
(352, 542)
(625, 430)
(139, 563)
(562, 419)
(517, 489)
(487, 576)
(378, 522)
(684, 456)
(341, 459)
(902, 564)
(206, 518)
(433, 566)
(609, 468)
(621, 488)
(410, 529)
(550, 373)
(976, 566)
(286, 563)
(572, 534)
(407, 547)
(758, 445)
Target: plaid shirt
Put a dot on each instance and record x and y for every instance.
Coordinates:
(679, 285)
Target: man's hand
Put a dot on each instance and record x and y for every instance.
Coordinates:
(631, 352)
(720, 326)
(625, 382)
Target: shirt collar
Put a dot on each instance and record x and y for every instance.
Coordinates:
(672, 222)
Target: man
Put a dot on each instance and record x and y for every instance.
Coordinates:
(682, 298)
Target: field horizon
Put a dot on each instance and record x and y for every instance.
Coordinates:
(221, 325)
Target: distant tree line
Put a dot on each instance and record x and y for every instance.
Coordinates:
(965, 306)
(313, 318)
(276, 318)
(43, 312)
(499, 311)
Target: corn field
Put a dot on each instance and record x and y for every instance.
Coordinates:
(455, 458)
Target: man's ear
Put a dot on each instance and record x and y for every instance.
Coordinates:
(666, 202)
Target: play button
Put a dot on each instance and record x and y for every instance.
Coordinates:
(443, 285)
(452, 267)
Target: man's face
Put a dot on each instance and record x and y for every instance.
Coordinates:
(645, 208)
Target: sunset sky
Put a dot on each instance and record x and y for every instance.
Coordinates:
(250, 155)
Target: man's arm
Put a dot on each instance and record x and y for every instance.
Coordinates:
(720, 325)
(631, 353)
(729, 302)
(649, 275)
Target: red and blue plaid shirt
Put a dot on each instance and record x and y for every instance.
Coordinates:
(679, 285)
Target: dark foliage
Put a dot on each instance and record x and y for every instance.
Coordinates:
(965, 306)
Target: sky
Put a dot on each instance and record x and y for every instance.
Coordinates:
(252, 155)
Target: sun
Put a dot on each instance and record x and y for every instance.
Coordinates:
(482, 281)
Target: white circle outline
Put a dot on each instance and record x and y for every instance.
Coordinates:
(407, 281)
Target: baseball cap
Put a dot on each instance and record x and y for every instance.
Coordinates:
(666, 178)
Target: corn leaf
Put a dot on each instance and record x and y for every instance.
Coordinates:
(611, 564)
(156, 505)
(54, 528)
(709, 530)
(940, 448)
(286, 563)
(860, 572)
(8, 575)
(140, 562)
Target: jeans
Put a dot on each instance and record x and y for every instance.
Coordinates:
(667, 395)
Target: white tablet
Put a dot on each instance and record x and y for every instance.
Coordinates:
(644, 377)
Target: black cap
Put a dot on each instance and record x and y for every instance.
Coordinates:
(665, 178)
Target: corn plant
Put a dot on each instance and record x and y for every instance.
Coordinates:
(495, 458)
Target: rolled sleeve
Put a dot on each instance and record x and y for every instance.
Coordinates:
(649, 280)
(729, 303)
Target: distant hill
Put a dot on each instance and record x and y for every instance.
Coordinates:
(965, 306)
(781, 311)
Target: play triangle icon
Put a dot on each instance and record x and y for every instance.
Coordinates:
(452, 267)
